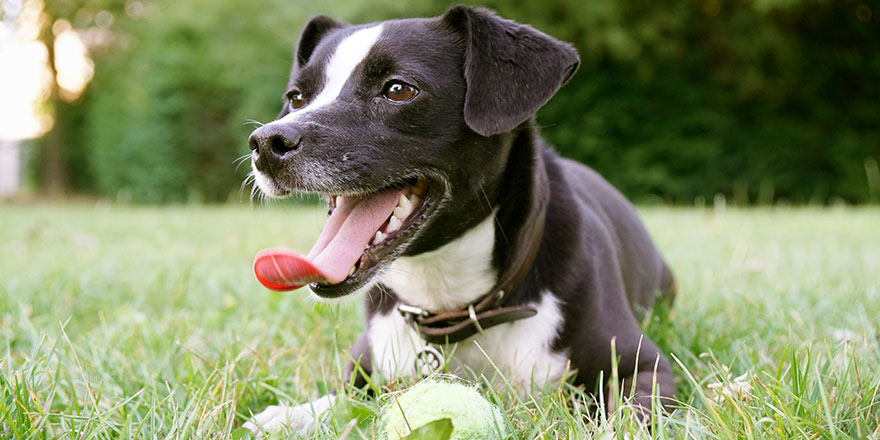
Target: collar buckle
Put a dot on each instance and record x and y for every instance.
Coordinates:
(412, 313)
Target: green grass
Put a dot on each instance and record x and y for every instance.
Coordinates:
(126, 322)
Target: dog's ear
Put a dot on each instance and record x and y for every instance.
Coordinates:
(510, 69)
(316, 28)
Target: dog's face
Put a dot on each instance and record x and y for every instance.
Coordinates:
(366, 110)
(401, 125)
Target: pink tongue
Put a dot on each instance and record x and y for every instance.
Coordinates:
(349, 229)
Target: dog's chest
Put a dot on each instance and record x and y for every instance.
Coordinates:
(447, 279)
(450, 277)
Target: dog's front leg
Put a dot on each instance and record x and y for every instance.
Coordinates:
(646, 384)
(301, 419)
(644, 394)
(360, 362)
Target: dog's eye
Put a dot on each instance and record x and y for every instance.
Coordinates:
(399, 91)
(296, 99)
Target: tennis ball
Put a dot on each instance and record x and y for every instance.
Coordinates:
(473, 417)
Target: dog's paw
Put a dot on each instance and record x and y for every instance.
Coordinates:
(298, 419)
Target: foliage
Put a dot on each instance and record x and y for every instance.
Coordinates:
(147, 323)
(168, 115)
(762, 101)
(759, 100)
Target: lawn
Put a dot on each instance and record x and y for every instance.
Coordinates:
(138, 322)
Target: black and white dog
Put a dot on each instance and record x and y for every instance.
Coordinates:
(470, 238)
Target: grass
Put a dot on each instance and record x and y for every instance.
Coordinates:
(132, 322)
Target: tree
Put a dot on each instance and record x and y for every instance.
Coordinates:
(55, 17)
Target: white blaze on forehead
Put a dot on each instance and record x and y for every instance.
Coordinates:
(349, 53)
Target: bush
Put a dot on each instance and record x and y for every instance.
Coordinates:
(169, 114)
(761, 101)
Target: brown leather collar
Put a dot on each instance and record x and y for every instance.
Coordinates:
(489, 310)
(455, 326)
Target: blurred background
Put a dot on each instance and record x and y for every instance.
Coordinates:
(678, 102)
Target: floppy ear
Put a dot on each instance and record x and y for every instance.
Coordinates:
(316, 28)
(510, 69)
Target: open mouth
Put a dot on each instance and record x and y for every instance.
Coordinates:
(363, 233)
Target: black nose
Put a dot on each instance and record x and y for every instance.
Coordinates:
(276, 139)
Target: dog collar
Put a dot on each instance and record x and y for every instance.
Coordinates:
(490, 310)
(455, 326)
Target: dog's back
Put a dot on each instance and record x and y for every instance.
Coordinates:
(643, 270)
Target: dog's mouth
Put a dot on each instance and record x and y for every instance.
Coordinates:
(363, 233)
(409, 207)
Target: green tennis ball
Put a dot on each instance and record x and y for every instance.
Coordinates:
(473, 417)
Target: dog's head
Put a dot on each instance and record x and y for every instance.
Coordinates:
(401, 124)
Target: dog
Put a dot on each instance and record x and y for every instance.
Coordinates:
(469, 237)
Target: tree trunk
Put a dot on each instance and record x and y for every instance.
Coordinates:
(54, 145)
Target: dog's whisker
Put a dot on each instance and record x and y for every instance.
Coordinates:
(265, 200)
(250, 179)
(241, 160)
(254, 190)
(383, 292)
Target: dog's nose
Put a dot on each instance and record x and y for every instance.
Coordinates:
(275, 139)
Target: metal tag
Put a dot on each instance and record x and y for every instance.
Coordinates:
(429, 360)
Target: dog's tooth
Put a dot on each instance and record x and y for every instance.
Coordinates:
(404, 202)
(379, 237)
(393, 224)
(414, 199)
(351, 272)
(404, 208)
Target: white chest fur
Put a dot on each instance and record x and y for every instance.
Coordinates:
(449, 278)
